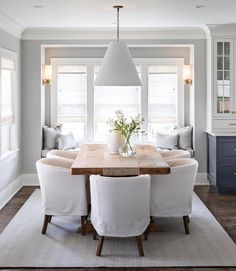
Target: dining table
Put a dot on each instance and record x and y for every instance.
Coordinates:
(96, 159)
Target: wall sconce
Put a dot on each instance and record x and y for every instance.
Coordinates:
(47, 75)
(187, 75)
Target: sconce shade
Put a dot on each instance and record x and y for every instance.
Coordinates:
(118, 68)
(47, 75)
(187, 72)
(187, 76)
(48, 72)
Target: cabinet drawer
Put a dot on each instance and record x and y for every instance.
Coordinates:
(227, 174)
(227, 148)
(225, 124)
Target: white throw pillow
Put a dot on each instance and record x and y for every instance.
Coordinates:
(66, 141)
(166, 141)
(185, 137)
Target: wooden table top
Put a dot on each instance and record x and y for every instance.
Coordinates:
(95, 159)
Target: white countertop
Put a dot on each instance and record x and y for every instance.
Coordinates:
(220, 134)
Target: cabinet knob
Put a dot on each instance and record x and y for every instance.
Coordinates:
(234, 173)
(232, 124)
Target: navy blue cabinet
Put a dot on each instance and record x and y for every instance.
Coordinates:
(222, 163)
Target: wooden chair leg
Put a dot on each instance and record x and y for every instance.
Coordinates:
(186, 226)
(140, 246)
(83, 225)
(151, 220)
(99, 246)
(45, 223)
(50, 219)
(146, 233)
(94, 235)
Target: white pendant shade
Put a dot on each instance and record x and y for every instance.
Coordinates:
(118, 68)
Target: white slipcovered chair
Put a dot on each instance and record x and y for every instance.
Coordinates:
(175, 154)
(120, 207)
(61, 154)
(62, 193)
(171, 194)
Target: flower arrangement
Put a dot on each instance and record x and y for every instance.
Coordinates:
(127, 128)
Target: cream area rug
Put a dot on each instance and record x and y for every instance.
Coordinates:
(23, 245)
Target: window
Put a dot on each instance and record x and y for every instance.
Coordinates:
(162, 98)
(8, 136)
(84, 108)
(107, 100)
(71, 99)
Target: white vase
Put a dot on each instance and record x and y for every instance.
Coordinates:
(116, 141)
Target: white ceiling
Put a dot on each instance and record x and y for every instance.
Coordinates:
(137, 13)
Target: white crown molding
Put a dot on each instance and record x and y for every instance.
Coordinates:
(220, 30)
(10, 25)
(110, 33)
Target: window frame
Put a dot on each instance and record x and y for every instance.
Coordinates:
(14, 133)
(142, 62)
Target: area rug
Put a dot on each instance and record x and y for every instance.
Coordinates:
(23, 245)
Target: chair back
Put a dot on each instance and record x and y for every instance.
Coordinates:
(62, 193)
(62, 154)
(175, 154)
(171, 194)
(120, 205)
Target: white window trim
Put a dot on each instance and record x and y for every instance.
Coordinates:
(11, 154)
(91, 62)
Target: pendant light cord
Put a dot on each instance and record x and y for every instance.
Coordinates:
(118, 22)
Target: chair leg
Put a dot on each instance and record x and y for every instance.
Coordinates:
(186, 221)
(50, 219)
(83, 225)
(140, 246)
(151, 220)
(45, 223)
(146, 233)
(94, 235)
(99, 246)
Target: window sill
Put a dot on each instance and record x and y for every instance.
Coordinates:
(7, 157)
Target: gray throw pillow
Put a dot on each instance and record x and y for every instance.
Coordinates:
(185, 137)
(166, 141)
(66, 142)
(49, 138)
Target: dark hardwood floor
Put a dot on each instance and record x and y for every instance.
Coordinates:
(223, 207)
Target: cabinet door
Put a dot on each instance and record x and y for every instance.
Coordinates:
(223, 66)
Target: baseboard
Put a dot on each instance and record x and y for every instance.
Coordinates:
(30, 179)
(201, 179)
(10, 191)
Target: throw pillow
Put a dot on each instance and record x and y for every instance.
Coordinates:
(66, 141)
(166, 141)
(49, 138)
(185, 137)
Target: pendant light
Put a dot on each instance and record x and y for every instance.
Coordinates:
(118, 68)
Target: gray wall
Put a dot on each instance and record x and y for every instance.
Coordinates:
(10, 170)
(31, 87)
